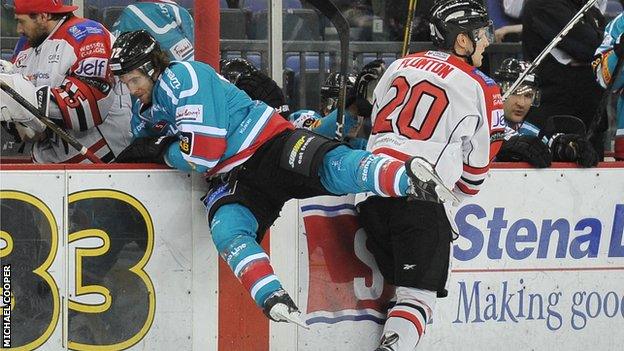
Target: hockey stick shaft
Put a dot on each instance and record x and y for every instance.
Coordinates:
(549, 47)
(48, 123)
(407, 33)
(331, 11)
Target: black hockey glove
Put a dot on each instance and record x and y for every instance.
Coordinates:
(525, 148)
(365, 83)
(146, 150)
(574, 148)
(261, 87)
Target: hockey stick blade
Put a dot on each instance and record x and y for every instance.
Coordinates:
(331, 11)
(48, 123)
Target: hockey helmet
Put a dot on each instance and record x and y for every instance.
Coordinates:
(234, 69)
(509, 71)
(449, 18)
(134, 50)
(331, 88)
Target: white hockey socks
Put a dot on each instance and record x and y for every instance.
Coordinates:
(408, 319)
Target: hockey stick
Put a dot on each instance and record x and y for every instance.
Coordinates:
(407, 33)
(549, 48)
(45, 120)
(329, 10)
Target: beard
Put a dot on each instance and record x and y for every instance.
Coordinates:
(38, 37)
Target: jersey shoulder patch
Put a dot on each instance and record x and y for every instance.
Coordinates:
(483, 77)
(79, 30)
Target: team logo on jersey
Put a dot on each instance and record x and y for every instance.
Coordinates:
(438, 55)
(498, 119)
(19, 61)
(186, 142)
(189, 113)
(92, 67)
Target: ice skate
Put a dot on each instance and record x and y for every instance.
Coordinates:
(279, 307)
(387, 342)
(425, 183)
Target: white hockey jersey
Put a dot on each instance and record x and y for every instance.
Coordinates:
(434, 105)
(73, 61)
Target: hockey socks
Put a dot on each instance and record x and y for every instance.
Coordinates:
(233, 230)
(385, 176)
(252, 267)
(408, 319)
(348, 171)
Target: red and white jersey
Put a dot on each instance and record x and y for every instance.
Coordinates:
(434, 105)
(73, 61)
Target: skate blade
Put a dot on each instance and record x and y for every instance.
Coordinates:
(296, 319)
(425, 174)
(283, 315)
(446, 196)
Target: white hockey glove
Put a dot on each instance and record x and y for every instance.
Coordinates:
(11, 111)
(6, 66)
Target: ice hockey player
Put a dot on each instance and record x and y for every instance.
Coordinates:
(608, 54)
(64, 71)
(169, 23)
(439, 106)
(562, 139)
(359, 104)
(255, 83)
(255, 159)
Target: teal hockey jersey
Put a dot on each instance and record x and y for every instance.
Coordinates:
(171, 25)
(218, 125)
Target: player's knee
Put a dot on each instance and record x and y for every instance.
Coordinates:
(231, 221)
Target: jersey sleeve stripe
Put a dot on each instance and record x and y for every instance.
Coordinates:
(92, 100)
(150, 24)
(200, 161)
(206, 130)
(194, 82)
(169, 92)
(59, 96)
(259, 126)
(208, 147)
